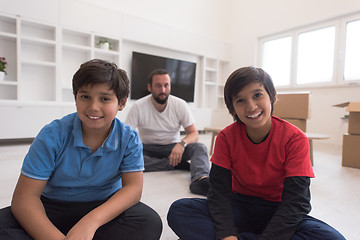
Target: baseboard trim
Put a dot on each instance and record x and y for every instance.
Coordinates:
(14, 141)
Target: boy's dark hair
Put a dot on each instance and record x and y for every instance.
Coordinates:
(99, 71)
(242, 77)
(158, 71)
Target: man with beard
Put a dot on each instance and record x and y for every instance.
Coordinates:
(158, 118)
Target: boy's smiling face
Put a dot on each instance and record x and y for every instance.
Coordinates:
(253, 107)
(97, 107)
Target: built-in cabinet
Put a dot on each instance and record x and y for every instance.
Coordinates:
(8, 49)
(42, 59)
(215, 73)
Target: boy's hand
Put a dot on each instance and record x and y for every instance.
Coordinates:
(83, 230)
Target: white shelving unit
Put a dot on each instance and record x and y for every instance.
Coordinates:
(75, 49)
(215, 73)
(36, 72)
(8, 43)
(43, 57)
(45, 77)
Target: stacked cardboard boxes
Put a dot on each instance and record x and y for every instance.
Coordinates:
(293, 107)
(351, 139)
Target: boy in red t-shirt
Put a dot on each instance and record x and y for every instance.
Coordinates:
(260, 174)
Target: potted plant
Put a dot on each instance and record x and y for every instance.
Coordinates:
(2, 68)
(104, 44)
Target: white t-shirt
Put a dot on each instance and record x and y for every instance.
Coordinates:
(159, 128)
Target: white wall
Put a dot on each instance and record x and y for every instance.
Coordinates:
(252, 19)
(139, 26)
(207, 18)
(256, 18)
(238, 22)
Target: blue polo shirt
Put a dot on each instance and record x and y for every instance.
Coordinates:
(59, 156)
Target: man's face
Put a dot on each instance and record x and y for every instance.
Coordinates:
(160, 88)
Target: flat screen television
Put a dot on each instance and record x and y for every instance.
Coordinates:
(182, 75)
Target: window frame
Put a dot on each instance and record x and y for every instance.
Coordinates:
(340, 24)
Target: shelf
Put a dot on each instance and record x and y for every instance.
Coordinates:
(38, 41)
(214, 78)
(67, 95)
(44, 52)
(75, 38)
(106, 52)
(209, 97)
(8, 92)
(221, 90)
(211, 69)
(114, 43)
(108, 57)
(74, 47)
(211, 63)
(221, 103)
(70, 63)
(210, 83)
(33, 30)
(37, 83)
(8, 83)
(210, 76)
(7, 36)
(42, 59)
(224, 72)
(39, 63)
(7, 25)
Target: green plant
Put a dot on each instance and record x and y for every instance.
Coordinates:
(3, 64)
(104, 41)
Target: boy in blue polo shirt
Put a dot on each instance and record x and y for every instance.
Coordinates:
(82, 177)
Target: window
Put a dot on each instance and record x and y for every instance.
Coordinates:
(277, 60)
(315, 56)
(352, 51)
(321, 54)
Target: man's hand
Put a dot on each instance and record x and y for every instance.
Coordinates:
(176, 154)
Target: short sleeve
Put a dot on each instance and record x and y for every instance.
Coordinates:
(39, 162)
(186, 117)
(298, 157)
(133, 160)
(221, 156)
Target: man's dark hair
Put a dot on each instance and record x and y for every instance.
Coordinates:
(158, 71)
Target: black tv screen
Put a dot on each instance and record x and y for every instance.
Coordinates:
(182, 75)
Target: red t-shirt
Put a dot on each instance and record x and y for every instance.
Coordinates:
(260, 169)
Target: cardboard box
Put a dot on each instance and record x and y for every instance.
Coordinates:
(292, 105)
(351, 151)
(300, 123)
(354, 116)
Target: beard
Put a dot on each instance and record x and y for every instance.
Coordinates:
(159, 100)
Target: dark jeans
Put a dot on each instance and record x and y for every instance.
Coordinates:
(156, 159)
(190, 219)
(137, 222)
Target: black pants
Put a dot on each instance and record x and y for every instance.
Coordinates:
(188, 217)
(137, 222)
